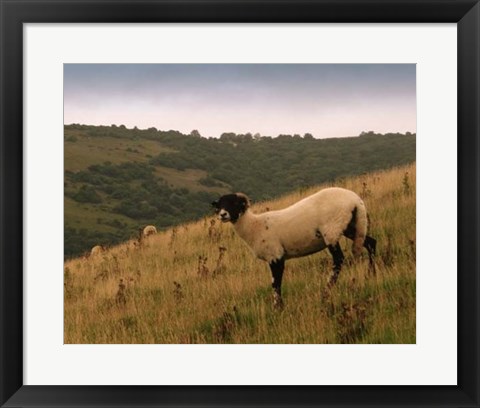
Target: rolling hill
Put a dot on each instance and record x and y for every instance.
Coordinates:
(119, 179)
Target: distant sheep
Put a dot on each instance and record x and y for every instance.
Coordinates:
(97, 249)
(306, 227)
(149, 230)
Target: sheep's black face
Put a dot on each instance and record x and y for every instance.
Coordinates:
(230, 207)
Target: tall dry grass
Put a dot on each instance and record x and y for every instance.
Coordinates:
(199, 283)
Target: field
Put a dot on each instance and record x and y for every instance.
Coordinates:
(199, 283)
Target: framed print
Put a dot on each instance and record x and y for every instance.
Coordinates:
(86, 163)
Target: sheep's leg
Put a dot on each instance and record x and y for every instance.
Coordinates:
(338, 258)
(371, 245)
(277, 268)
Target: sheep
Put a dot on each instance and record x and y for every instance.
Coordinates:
(149, 230)
(306, 227)
(96, 250)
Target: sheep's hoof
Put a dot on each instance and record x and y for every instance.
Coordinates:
(277, 301)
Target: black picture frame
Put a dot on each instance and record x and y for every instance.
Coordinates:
(14, 13)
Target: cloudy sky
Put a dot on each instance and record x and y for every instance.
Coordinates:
(327, 100)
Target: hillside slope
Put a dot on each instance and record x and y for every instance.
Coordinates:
(117, 179)
(199, 283)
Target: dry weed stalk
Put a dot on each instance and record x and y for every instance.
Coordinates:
(67, 282)
(116, 265)
(387, 255)
(173, 237)
(120, 297)
(223, 329)
(136, 240)
(108, 270)
(103, 275)
(366, 192)
(213, 232)
(413, 248)
(406, 184)
(219, 267)
(202, 269)
(352, 321)
(177, 292)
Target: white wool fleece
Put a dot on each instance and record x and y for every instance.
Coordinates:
(149, 230)
(305, 227)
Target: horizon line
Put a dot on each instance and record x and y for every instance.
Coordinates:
(237, 134)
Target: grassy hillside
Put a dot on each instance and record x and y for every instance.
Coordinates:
(117, 178)
(199, 283)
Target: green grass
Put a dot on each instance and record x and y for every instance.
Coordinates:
(92, 217)
(86, 151)
(188, 179)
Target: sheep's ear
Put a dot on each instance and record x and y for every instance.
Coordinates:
(215, 203)
(245, 200)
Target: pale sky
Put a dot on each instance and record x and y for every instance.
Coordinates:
(326, 100)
